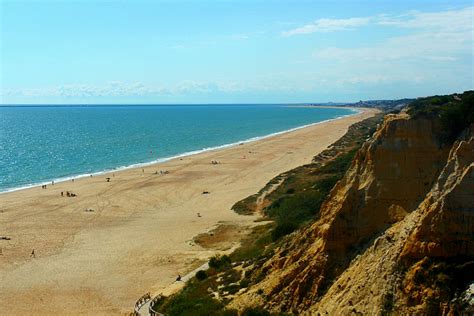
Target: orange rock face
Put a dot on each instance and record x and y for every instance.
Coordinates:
(447, 227)
(405, 197)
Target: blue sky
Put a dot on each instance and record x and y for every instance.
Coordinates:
(233, 51)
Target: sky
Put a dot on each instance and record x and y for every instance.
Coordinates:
(162, 52)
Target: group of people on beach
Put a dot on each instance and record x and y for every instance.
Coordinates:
(44, 185)
(162, 172)
(68, 194)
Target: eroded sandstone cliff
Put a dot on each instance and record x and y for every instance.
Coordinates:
(395, 234)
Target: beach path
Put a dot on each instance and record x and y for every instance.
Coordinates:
(98, 252)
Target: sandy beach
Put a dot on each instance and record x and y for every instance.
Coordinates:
(137, 234)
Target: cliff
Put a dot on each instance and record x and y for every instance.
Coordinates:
(395, 234)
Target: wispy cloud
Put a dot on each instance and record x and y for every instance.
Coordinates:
(438, 36)
(440, 47)
(449, 21)
(114, 88)
(261, 84)
(123, 89)
(435, 50)
(328, 25)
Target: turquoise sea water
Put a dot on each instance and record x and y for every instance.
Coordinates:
(43, 143)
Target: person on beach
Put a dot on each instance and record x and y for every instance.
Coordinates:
(178, 278)
(52, 182)
(33, 255)
(62, 193)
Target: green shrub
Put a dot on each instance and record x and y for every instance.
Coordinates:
(283, 229)
(454, 113)
(290, 212)
(244, 283)
(455, 117)
(201, 275)
(254, 245)
(387, 303)
(218, 262)
(255, 311)
(340, 164)
(326, 185)
(232, 289)
(194, 300)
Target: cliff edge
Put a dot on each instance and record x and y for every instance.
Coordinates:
(396, 234)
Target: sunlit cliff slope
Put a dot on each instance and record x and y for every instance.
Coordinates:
(396, 234)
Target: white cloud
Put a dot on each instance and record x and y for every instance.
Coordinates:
(123, 89)
(261, 84)
(448, 21)
(328, 25)
(436, 50)
(419, 46)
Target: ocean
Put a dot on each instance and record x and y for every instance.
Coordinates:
(39, 144)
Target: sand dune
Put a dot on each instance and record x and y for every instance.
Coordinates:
(139, 235)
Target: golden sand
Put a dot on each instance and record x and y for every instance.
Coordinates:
(139, 236)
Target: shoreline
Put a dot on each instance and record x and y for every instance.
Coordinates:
(141, 232)
(182, 155)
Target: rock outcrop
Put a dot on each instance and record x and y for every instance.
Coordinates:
(447, 227)
(407, 197)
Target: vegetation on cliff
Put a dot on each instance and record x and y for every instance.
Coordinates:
(455, 112)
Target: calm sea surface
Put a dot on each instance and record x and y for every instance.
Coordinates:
(40, 144)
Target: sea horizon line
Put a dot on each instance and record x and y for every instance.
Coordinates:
(172, 104)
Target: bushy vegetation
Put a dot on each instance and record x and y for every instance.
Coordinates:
(455, 112)
(292, 210)
(255, 244)
(247, 205)
(217, 262)
(201, 275)
(255, 311)
(194, 300)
